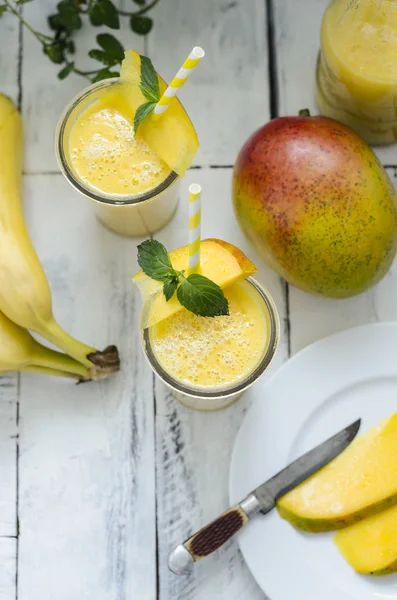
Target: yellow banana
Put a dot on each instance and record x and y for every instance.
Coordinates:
(53, 373)
(19, 351)
(25, 295)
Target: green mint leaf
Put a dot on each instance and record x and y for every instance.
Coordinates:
(169, 287)
(202, 296)
(154, 260)
(141, 24)
(103, 12)
(149, 85)
(3, 9)
(54, 22)
(141, 112)
(54, 52)
(70, 47)
(104, 74)
(102, 57)
(111, 46)
(68, 15)
(66, 71)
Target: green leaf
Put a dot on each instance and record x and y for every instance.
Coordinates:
(70, 47)
(141, 24)
(68, 15)
(154, 260)
(169, 288)
(140, 2)
(104, 74)
(111, 46)
(20, 2)
(149, 85)
(54, 52)
(141, 112)
(103, 57)
(202, 296)
(103, 12)
(54, 22)
(3, 9)
(66, 71)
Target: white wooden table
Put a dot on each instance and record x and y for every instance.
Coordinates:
(99, 481)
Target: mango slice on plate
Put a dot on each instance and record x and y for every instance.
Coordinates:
(220, 261)
(370, 546)
(359, 482)
(172, 136)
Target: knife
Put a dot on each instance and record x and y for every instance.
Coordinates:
(263, 500)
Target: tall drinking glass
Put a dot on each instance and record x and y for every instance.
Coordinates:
(215, 397)
(131, 214)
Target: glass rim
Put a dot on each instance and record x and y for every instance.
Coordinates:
(63, 163)
(237, 388)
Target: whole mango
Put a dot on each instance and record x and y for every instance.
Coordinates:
(317, 205)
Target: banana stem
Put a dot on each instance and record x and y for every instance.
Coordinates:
(51, 359)
(105, 362)
(54, 333)
(54, 372)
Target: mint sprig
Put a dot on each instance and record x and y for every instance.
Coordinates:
(154, 260)
(196, 293)
(202, 296)
(170, 287)
(149, 87)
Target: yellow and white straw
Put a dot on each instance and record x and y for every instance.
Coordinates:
(179, 80)
(194, 226)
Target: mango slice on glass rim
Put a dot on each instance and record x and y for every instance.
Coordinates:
(220, 261)
(171, 136)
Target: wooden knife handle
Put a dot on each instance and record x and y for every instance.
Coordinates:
(209, 538)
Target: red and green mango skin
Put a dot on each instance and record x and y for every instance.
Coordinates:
(317, 205)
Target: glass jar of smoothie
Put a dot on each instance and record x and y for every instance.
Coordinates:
(356, 79)
(208, 362)
(134, 191)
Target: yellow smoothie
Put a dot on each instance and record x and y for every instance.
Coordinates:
(105, 154)
(357, 67)
(219, 352)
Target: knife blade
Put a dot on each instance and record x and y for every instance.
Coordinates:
(262, 499)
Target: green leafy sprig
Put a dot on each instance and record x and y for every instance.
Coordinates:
(196, 293)
(149, 87)
(69, 17)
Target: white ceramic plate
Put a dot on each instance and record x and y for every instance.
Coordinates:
(315, 394)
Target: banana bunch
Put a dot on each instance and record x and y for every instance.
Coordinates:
(25, 296)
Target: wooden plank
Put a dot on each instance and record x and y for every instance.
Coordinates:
(9, 35)
(193, 449)
(44, 96)
(9, 390)
(8, 548)
(297, 40)
(9, 32)
(296, 52)
(87, 505)
(227, 97)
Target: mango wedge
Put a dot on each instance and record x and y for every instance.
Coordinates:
(220, 261)
(358, 483)
(370, 546)
(172, 136)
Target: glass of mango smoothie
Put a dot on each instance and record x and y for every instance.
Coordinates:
(208, 362)
(357, 67)
(132, 176)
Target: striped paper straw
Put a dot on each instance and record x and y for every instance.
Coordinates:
(194, 226)
(180, 78)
